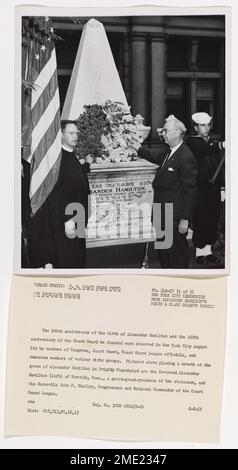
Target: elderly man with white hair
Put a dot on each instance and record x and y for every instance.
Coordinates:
(175, 182)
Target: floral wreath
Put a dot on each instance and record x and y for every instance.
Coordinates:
(108, 132)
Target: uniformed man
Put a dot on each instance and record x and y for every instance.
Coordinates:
(206, 213)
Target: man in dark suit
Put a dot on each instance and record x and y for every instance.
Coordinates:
(175, 182)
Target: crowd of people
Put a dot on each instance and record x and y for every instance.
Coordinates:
(190, 175)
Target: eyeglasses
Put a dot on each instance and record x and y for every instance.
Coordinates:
(71, 133)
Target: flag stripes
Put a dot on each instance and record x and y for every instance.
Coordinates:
(49, 181)
(45, 153)
(44, 98)
(44, 122)
(47, 138)
(45, 166)
(44, 77)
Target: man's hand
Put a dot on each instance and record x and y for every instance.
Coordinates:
(89, 159)
(183, 226)
(69, 227)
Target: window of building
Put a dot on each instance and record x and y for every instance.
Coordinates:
(177, 53)
(177, 98)
(209, 53)
(206, 98)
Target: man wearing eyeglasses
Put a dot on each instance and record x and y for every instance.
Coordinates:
(175, 182)
(72, 187)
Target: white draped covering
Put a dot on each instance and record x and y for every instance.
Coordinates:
(95, 78)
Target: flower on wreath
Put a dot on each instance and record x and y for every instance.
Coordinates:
(92, 124)
(108, 132)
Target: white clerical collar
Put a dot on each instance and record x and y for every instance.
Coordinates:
(68, 149)
(173, 149)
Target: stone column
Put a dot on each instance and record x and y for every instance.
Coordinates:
(158, 82)
(194, 68)
(139, 84)
(127, 67)
(193, 95)
(194, 54)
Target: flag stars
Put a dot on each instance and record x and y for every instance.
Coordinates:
(47, 19)
(51, 29)
(37, 56)
(43, 48)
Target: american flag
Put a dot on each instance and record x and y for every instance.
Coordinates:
(41, 138)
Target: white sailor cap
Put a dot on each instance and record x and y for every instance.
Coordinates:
(201, 118)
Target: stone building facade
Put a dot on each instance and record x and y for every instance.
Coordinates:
(167, 64)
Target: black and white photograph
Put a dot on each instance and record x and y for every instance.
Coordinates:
(123, 142)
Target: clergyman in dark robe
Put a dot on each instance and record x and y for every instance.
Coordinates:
(55, 236)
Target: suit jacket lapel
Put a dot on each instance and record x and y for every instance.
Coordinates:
(170, 159)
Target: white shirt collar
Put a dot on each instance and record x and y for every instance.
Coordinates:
(68, 149)
(173, 149)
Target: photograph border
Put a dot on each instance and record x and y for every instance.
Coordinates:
(116, 11)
